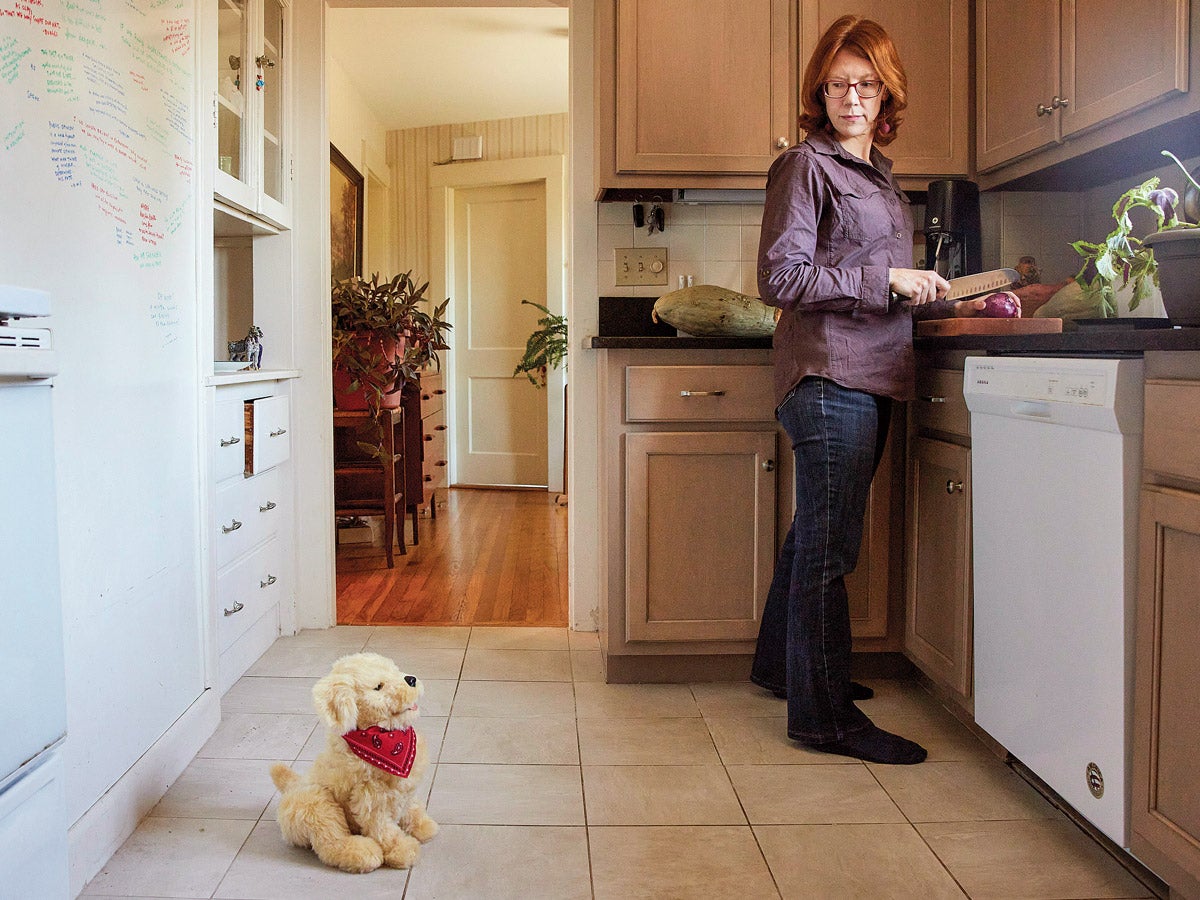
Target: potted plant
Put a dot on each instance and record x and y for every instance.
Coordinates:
(1124, 258)
(383, 335)
(1177, 251)
(545, 349)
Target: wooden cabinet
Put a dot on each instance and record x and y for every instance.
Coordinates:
(435, 458)
(701, 90)
(250, 109)
(1165, 817)
(933, 39)
(1048, 71)
(373, 484)
(938, 633)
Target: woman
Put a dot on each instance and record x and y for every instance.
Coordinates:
(836, 256)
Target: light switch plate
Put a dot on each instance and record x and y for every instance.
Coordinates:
(641, 266)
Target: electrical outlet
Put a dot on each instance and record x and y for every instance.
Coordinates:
(642, 266)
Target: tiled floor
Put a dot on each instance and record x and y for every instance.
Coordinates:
(550, 784)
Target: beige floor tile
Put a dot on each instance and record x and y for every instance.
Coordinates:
(737, 699)
(262, 694)
(944, 740)
(854, 862)
(314, 745)
(645, 742)
(762, 741)
(259, 736)
(583, 640)
(296, 660)
(502, 637)
(966, 791)
(514, 698)
(899, 697)
(388, 639)
(1040, 859)
(629, 701)
(507, 795)
(351, 638)
(660, 795)
(503, 863)
(586, 666)
(172, 857)
(516, 665)
(799, 794)
(269, 868)
(219, 789)
(682, 863)
(429, 664)
(538, 740)
(438, 697)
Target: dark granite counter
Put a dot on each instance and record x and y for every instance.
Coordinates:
(626, 342)
(1079, 341)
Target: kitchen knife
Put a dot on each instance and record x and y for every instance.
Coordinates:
(967, 286)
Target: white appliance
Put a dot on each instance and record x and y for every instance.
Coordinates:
(1055, 467)
(33, 812)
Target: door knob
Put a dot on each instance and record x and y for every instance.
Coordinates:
(782, 143)
(768, 465)
(952, 486)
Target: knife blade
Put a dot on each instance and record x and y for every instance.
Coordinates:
(967, 286)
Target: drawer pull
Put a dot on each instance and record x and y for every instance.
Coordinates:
(234, 525)
(279, 432)
(237, 608)
(426, 396)
(271, 579)
(429, 478)
(701, 393)
(440, 462)
(768, 465)
(440, 427)
(270, 506)
(934, 399)
(952, 486)
(429, 437)
(229, 442)
(438, 392)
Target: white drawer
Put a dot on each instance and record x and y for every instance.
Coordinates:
(229, 434)
(245, 515)
(433, 393)
(248, 590)
(268, 423)
(699, 394)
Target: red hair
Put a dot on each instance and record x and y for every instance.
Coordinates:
(866, 39)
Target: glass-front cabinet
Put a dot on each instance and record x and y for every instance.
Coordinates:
(253, 164)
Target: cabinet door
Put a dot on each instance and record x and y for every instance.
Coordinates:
(1165, 818)
(699, 534)
(1119, 55)
(938, 632)
(704, 86)
(932, 37)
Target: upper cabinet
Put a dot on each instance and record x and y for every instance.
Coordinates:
(253, 164)
(932, 38)
(1048, 71)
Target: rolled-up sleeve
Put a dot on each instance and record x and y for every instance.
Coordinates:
(798, 214)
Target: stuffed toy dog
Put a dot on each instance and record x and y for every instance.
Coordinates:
(357, 806)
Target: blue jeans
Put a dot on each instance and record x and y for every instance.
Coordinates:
(837, 436)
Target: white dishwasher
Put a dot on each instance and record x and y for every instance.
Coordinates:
(1055, 466)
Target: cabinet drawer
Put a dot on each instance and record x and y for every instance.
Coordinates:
(229, 436)
(699, 394)
(940, 405)
(1172, 429)
(247, 590)
(247, 512)
(433, 393)
(267, 424)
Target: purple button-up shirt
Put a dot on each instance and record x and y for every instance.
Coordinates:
(832, 227)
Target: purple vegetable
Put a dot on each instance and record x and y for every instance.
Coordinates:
(1001, 305)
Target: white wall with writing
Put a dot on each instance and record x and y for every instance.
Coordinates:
(97, 163)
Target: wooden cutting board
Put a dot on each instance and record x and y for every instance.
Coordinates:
(979, 325)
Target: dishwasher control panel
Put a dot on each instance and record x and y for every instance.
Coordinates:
(1036, 382)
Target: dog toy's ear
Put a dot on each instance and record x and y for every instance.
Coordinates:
(334, 697)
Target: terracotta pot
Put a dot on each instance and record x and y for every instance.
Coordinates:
(355, 401)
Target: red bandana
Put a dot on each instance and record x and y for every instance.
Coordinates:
(392, 751)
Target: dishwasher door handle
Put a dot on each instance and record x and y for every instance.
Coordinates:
(1034, 409)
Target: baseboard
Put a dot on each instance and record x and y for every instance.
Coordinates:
(101, 830)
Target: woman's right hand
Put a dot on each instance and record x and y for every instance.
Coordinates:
(920, 286)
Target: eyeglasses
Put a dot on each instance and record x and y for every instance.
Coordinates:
(836, 90)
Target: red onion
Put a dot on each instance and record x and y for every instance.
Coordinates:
(1001, 305)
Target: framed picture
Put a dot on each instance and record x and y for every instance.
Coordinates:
(345, 216)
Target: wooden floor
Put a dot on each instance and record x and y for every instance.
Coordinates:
(491, 557)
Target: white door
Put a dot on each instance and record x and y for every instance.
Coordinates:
(499, 260)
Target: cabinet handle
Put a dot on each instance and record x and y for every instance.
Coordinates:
(440, 462)
(429, 478)
(230, 441)
(438, 391)
(279, 432)
(1060, 103)
(1044, 110)
(271, 579)
(782, 143)
(264, 60)
(934, 399)
(237, 608)
(768, 465)
(439, 427)
(429, 437)
(233, 526)
(952, 486)
(426, 396)
(701, 393)
(270, 506)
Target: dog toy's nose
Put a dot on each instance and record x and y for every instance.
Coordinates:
(410, 680)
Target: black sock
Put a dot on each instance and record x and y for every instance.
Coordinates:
(875, 745)
(857, 692)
